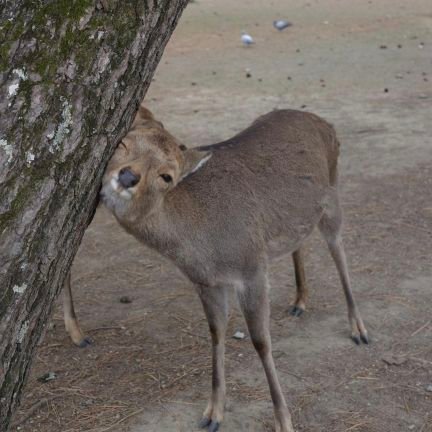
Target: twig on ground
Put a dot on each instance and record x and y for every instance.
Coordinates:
(421, 328)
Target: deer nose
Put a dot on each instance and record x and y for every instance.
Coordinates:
(127, 178)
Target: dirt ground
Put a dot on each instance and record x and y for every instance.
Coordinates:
(366, 66)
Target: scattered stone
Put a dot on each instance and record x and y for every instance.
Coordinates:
(239, 335)
(193, 83)
(49, 376)
(125, 299)
(383, 46)
(399, 76)
(399, 46)
(429, 388)
(386, 90)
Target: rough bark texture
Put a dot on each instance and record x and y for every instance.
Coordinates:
(72, 74)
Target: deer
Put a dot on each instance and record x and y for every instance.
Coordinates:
(145, 120)
(216, 210)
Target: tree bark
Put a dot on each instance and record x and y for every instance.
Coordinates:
(72, 74)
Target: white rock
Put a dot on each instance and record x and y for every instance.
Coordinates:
(239, 335)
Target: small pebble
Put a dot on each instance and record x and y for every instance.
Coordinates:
(386, 90)
(49, 376)
(383, 46)
(429, 388)
(239, 335)
(125, 299)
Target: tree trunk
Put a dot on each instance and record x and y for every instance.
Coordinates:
(72, 74)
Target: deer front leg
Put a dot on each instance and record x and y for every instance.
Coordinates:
(70, 319)
(215, 303)
(256, 309)
(330, 227)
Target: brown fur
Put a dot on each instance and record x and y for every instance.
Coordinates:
(218, 216)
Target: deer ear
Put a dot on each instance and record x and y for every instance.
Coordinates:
(193, 161)
(144, 113)
(143, 117)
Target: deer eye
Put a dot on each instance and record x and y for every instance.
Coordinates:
(167, 178)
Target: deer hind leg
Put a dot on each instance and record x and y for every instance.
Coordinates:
(330, 227)
(215, 304)
(254, 303)
(70, 319)
(299, 305)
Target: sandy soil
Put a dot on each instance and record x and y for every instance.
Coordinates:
(367, 67)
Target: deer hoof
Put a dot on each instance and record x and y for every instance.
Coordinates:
(213, 426)
(204, 422)
(295, 311)
(364, 338)
(84, 342)
(358, 338)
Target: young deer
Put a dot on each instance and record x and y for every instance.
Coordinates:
(144, 120)
(214, 211)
